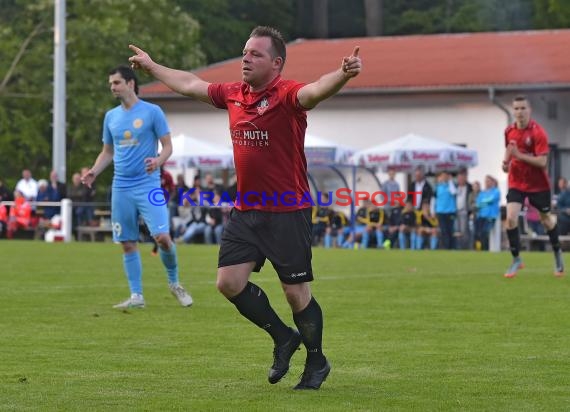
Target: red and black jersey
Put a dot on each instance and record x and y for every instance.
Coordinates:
(267, 129)
(531, 140)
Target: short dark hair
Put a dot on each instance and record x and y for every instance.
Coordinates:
(126, 73)
(520, 98)
(277, 42)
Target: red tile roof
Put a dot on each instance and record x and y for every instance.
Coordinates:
(444, 61)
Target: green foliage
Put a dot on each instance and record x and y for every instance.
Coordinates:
(98, 35)
(441, 16)
(225, 25)
(551, 14)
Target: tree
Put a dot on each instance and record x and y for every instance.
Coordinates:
(225, 25)
(98, 34)
(551, 14)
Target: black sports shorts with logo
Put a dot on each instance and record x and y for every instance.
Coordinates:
(540, 200)
(284, 238)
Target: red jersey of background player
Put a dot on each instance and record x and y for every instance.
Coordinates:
(531, 140)
(267, 129)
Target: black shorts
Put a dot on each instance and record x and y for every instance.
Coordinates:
(540, 200)
(282, 238)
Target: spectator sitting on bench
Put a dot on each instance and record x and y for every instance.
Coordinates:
(5, 193)
(333, 232)
(407, 228)
(197, 224)
(360, 228)
(20, 214)
(3, 221)
(427, 227)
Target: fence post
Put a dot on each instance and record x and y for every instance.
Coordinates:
(66, 221)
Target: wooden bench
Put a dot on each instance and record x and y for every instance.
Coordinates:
(102, 213)
(93, 233)
(527, 240)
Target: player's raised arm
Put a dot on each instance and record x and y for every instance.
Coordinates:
(180, 81)
(329, 84)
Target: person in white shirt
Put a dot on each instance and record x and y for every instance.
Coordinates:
(463, 198)
(28, 185)
(424, 191)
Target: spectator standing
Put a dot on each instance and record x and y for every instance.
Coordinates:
(462, 198)
(488, 210)
(388, 187)
(423, 192)
(563, 207)
(446, 209)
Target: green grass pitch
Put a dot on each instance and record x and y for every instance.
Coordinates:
(404, 331)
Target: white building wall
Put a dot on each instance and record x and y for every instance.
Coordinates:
(477, 125)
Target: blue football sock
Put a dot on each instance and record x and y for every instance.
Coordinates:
(365, 240)
(413, 240)
(170, 262)
(419, 242)
(133, 269)
(433, 243)
(402, 240)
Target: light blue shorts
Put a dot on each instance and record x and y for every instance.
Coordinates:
(126, 207)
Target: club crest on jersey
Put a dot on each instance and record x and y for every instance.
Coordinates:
(528, 141)
(262, 106)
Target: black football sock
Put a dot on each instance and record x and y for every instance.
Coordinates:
(554, 241)
(253, 304)
(514, 241)
(310, 325)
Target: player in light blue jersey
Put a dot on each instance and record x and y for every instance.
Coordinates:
(131, 132)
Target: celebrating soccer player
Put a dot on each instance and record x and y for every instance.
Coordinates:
(267, 125)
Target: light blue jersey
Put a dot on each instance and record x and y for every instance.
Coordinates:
(134, 135)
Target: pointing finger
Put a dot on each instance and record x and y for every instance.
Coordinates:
(135, 49)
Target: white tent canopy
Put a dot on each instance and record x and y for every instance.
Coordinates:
(409, 151)
(319, 151)
(190, 152)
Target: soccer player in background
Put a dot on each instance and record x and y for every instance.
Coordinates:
(525, 161)
(267, 126)
(131, 132)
